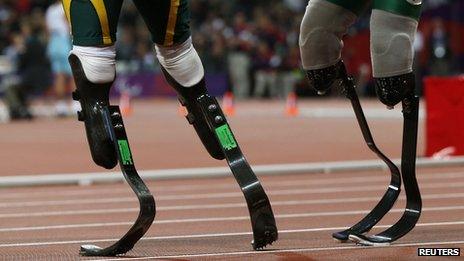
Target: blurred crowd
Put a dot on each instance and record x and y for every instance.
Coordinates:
(254, 43)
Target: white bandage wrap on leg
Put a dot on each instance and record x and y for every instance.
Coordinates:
(99, 63)
(321, 32)
(181, 62)
(392, 39)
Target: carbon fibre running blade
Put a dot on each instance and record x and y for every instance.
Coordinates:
(394, 188)
(408, 164)
(262, 218)
(147, 211)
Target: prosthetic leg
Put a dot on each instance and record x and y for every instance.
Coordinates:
(393, 26)
(403, 86)
(206, 116)
(393, 189)
(109, 144)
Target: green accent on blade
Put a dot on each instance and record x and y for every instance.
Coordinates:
(125, 152)
(225, 137)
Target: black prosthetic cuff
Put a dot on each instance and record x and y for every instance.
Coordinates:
(323, 79)
(392, 90)
(96, 91)
(192, 92)
(188, 97)
(93, 99)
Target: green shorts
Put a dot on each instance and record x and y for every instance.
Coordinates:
(411, 8)
(94, 22)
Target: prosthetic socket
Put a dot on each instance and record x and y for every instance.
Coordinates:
(392, 36)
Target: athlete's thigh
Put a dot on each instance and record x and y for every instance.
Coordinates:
(411, 8)
(355, 6)
(167, 20)
(93, 22)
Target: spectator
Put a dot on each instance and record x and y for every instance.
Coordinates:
(33, 70)
(265, 71)
(239, 63)
(59, 46)
(230, 34)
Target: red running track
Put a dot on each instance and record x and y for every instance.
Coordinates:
(208, 219)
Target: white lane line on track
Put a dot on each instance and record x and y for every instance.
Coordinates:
(221, 195)
(274, 169)
(230, 185)
(220, 219)
(296, 250)
(307, 230)
(222, 206)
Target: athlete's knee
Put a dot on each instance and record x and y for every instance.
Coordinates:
(321, 32)
(392, 38)
(98, 63)
(182, 62)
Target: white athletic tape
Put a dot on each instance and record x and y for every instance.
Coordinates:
(99, 63)
(182, 62)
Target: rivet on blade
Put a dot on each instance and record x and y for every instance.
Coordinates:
(218, 119)
(115, 115)
(212, 107)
